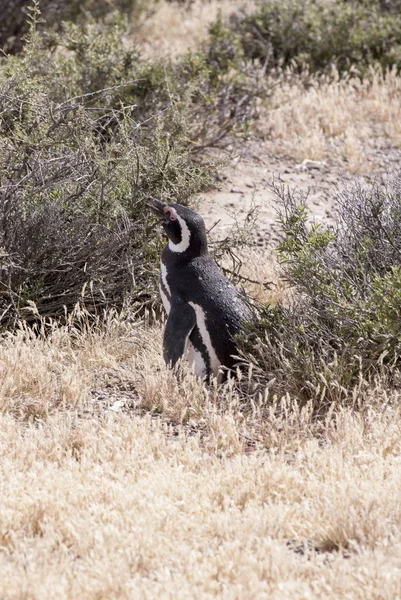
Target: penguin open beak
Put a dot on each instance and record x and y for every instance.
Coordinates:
(157, 208)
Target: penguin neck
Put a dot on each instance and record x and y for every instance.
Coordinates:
(171, 257)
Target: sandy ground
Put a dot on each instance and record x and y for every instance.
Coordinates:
(247, 179)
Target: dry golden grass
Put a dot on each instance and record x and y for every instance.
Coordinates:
(174, 29)
(120, 481)
(334, 118)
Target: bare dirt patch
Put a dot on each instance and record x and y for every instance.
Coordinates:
(253, 166)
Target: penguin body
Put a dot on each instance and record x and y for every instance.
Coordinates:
(205, 311)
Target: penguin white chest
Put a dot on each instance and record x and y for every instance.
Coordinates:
(196, 361)
(206, 339)
(164, 288)
(165, 300)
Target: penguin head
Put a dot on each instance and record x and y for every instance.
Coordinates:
(184, 227)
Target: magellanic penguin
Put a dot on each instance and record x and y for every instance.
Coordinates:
(205, 311)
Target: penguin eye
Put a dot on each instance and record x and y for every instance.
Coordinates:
(171, 214)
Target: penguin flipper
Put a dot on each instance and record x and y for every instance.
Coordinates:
(180, 323)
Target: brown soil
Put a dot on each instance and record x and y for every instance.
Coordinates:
(252, 168)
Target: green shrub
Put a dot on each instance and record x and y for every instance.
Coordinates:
(14, 23)
(314, 34)
(88, 130)
(344, 317)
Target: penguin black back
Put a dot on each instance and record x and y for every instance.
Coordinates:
(205, 311)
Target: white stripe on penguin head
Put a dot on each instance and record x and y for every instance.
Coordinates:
(185, 234)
